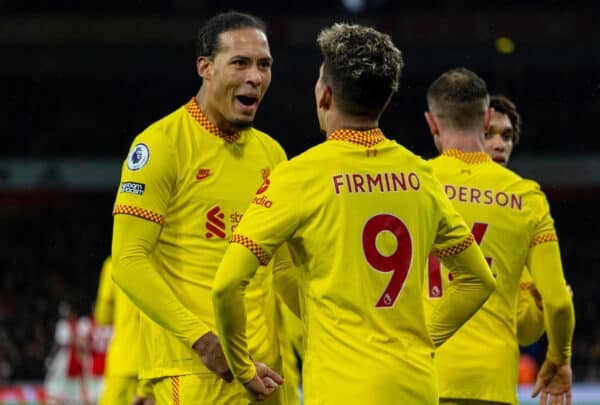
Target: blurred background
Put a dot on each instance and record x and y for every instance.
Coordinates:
(80, 79)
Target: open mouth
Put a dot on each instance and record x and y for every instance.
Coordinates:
(499, 159)
(247, 100)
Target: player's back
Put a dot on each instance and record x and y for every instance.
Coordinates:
(507, 215)
(367, 220)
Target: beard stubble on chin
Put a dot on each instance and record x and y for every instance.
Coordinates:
(241, 125)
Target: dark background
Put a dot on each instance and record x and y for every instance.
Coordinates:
(79, 79)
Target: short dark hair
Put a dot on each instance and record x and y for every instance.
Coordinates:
(504, 105)
(207, 41)
(459, 98)
(361, 66)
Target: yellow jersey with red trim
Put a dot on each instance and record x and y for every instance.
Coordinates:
(196, 181)
(508, 215)
(114, 307)
(360, 214)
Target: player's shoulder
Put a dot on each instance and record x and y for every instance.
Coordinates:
(166, 128)
(515, 180)
(297, 167)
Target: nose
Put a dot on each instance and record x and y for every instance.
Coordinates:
(254, 76)
(498, 143)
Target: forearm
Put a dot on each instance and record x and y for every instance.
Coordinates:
(559, 315)
(236, 269)
(472, 285)
(286, 279)
(133, 240)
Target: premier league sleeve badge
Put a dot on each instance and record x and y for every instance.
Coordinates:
(139, 156)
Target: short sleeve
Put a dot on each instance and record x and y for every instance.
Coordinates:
(544, 230)
(148, 176)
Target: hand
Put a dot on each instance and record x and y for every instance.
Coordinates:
(211, 354)
(264, 383)
(554, 382)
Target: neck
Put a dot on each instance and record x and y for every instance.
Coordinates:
(213, 114)
(465, 141)
(336, 120)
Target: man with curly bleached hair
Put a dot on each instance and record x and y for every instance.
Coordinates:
(361, 214)
(361, 66)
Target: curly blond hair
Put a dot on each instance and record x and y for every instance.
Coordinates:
(361, 65)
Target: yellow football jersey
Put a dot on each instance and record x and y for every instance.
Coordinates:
(196, 181)
(113, 306)
(508, 215)
(360, 214)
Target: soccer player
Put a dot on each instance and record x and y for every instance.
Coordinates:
(184, 187)
(501, 136)
(511, 221)
(360, 213)
(121, 371)
(504, 130)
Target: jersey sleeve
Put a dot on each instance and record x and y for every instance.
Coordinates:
(472, 285)
(147, 182)
(545, 265)
(148, 177)
(105, 298)
(269, 221)
(133, 241)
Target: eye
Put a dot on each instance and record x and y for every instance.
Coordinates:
(239, 62)
(265, 64)
(488, 135)
(507, 136)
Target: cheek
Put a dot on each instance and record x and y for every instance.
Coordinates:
(267, 79)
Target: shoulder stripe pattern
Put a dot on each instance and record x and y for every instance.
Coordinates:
(194, 110)
(363, 138)
(139, 212)
(470, 158)
(456, 249)
(263, 257)
(543, 238)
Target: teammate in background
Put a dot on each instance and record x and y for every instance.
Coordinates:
(502, 135)
(511, 220)
(184, 186)
(370, 212)
(504, 131)
(121, 371)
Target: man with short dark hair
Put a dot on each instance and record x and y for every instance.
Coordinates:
(510, 219)
(187, 181)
